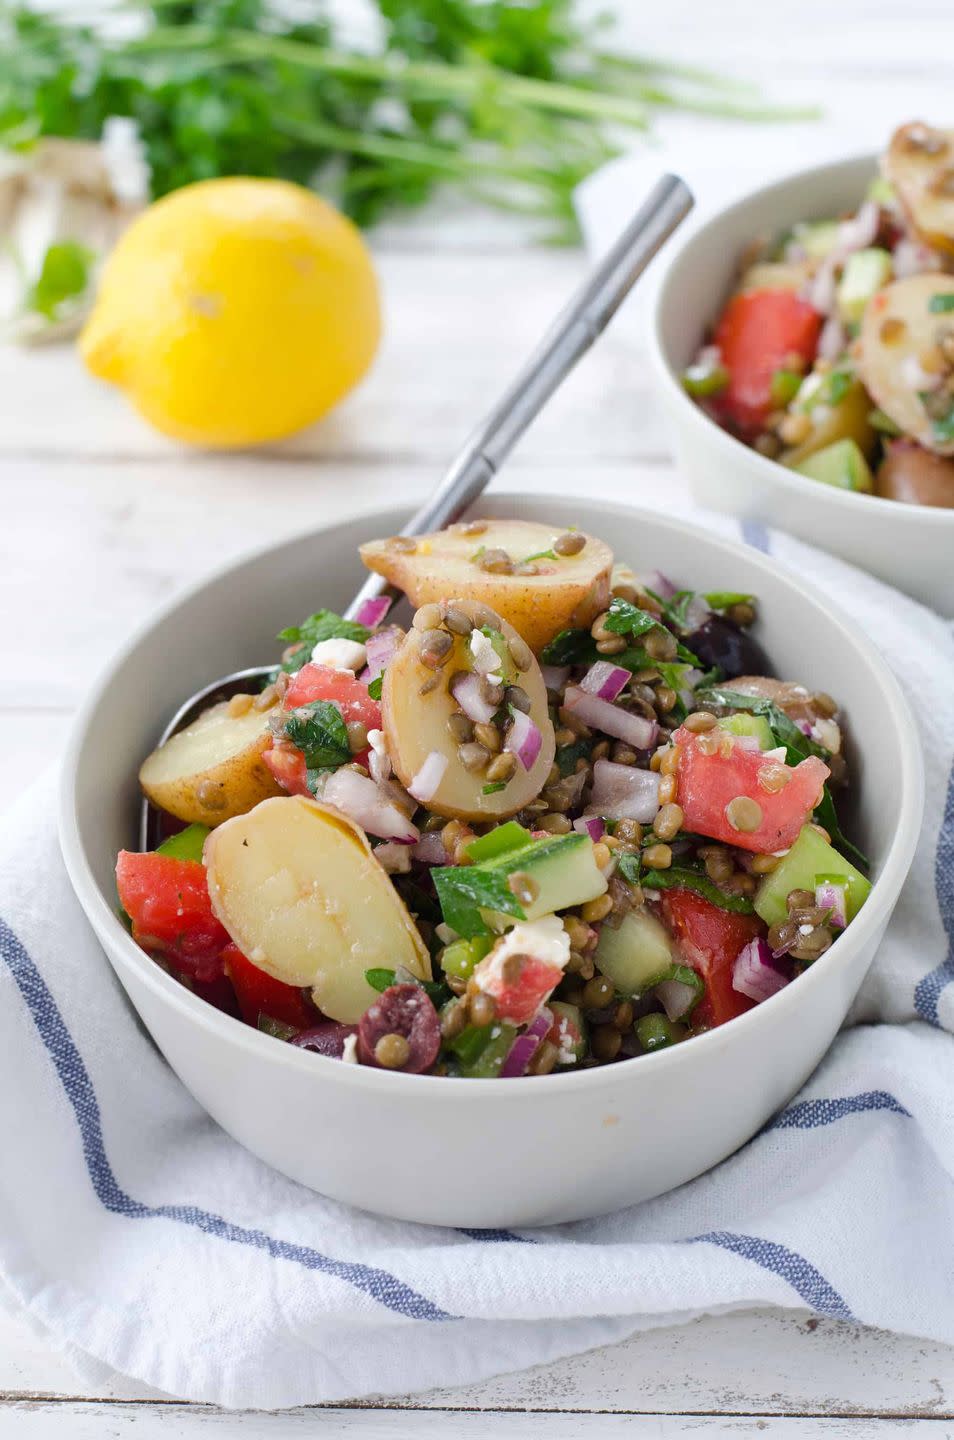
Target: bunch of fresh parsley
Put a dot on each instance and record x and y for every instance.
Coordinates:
(513, 103)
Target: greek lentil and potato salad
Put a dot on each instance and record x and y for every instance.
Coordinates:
(565, 817)
(835, 353)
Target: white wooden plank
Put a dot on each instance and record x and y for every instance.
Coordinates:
(750, 1362)
(457, 327)
(77, 1421)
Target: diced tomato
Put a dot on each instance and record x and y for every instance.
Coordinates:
(261, 994)
(756, 333)
(287, 764)
(708, 783)
(709, 940)
(518, 999)
(320, 682)
(167, 901)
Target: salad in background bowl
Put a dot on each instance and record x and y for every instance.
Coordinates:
(809, 332)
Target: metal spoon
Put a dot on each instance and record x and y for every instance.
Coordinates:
(573, 332)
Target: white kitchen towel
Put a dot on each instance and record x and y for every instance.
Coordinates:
(147, 1241)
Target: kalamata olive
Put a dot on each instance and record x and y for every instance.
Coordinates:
(402, 1010)
(719, 641)
(328, 1038)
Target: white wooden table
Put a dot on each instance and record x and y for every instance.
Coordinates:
(101, 520)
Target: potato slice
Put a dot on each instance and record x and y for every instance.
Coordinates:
(902, 332)
(777, 275)
(297, 886)
(538, 596)
(919, 163)
(213, 769)
(416, 723)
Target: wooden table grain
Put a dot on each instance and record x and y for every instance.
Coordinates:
(103, 520)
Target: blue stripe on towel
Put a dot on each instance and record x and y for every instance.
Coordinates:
(927, 995)
(810, 1114)
(754, 533)
(387, 1289)
(808, 1282)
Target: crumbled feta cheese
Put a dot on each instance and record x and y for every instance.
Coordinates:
(546, 940)
(349, 1054)
(485, 656)
(567, 1055)
(340, 654)
(380, 762)
(828, 733)
(805, 929)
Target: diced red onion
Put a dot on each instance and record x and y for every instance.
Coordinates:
(697, 613)
(676, 998)
(656, 581)
(465, 689)
(430, 849)
(555, 676)
(372, 612)
(523, 739)
(380, 651)
(911, 257)
(860, 231)
(755, 973)
(605, 680)
(829, 895)
(622, 792)
(365, 803)
(591, 825)
(833, 339)
(821, 289)
(636, 730)
(428, 778)
(526, 1045)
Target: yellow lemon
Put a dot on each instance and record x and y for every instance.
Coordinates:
(235, 311)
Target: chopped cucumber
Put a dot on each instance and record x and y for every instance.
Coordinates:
(477, 898)
(817, 239)
(842, 465)
(700, 381)
(865, 273)
(482, 1050)
(746, 724)
(572, 1029)
(785, 386)
(881, 191)
(636, 954)
(810, 857)
(462, 957)
(509, 836)
(186, 845)
(656, 1032)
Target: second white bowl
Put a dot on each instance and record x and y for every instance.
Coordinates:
(910, 546)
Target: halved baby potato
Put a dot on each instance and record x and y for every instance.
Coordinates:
(297, 887)
(213, 769)
(510, 565)
(901, 332)
(416, 714)
(919, 163)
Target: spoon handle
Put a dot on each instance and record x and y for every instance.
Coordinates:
(571, 335)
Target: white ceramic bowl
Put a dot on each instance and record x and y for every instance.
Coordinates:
(462, 1152)
(911, 546)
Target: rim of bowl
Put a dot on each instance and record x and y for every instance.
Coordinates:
(771, 472)
(885, 890)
